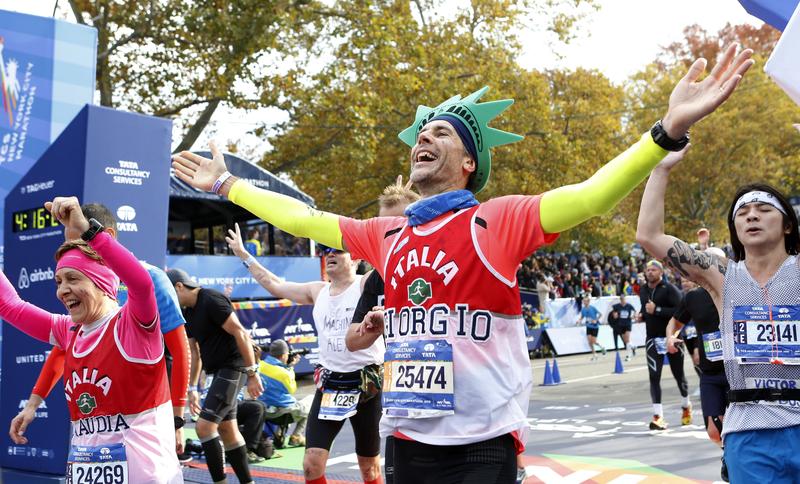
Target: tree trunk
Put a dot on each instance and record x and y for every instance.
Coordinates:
(103, 74)
(198, 126)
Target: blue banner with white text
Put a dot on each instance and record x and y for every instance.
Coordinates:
(227, 274)
(47, 72)
(270, 320)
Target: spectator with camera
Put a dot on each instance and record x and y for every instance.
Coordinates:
(276, 370)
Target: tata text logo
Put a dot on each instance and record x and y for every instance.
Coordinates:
(126, 214)
(36, 275)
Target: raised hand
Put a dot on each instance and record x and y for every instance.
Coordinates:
(692, 100)
(399, 182)
(236, 244)
(198, 171)
(703, 238)
(67, 210)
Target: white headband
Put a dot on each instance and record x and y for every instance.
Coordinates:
(757, 197)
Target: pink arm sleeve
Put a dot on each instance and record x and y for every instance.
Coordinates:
(137, 328)
(31, 320)
(141, 296)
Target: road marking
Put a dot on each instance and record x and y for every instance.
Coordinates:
(549, 476)
(604, 375)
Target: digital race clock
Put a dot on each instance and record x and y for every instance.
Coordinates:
(33, 219)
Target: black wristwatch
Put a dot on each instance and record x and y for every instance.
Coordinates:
(179, 423)
(95, 227)
(663, 140)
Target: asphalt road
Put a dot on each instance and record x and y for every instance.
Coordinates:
(592, 428)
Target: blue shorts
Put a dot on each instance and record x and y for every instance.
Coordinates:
(764, 456)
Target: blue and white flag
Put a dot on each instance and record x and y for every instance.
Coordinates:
(783, 65)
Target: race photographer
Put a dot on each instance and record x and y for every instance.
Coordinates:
(277, 375)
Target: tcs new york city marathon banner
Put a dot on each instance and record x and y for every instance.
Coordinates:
(112, 157)
(226, 274)
(282, 319)
(47, 71)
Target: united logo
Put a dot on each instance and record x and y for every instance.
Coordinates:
(86, 403)
(419, 291)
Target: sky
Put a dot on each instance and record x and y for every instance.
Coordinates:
(625, 35)
(619, 39)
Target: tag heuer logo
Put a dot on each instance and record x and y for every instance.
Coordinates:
(419, 291)
(86, 403)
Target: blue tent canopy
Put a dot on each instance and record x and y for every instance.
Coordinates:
(203, 209)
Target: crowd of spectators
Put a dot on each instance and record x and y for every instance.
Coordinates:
(557, 274)
(258, 237)
(257, 241)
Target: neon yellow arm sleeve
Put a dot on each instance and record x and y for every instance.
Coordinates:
(568, 206)
(288, 214)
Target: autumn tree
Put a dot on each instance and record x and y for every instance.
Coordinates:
(750, 138)
(183, 59)
(341, 142)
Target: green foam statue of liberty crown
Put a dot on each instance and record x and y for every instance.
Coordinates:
(476, 118)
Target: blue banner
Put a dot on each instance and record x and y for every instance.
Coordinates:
(271, 320)
(130, 177)
(227, 274)
(47, 71)
(97, 146)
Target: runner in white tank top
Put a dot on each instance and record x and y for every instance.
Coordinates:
(344, 371)
(757, 296)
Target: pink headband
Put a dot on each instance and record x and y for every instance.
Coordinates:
(101, 275)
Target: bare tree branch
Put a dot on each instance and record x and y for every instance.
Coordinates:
(117, 44)
(173, 110)
(421, 14)
(76, 12)
(198, 126)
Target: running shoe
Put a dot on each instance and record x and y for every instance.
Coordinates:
(633, 350)
(254, 458)
(723, 473)
(521, 475)
(603, 349)
(686, 416)
(658, 423)
(184, 458)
